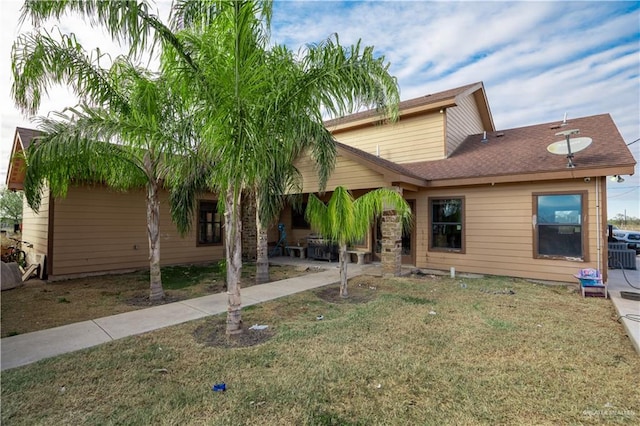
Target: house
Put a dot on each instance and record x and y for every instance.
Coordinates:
(484, 200)
(95, 229)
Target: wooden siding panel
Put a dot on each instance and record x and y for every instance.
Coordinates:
(35, 228)
(408, 140)
(499, 231)
(462, 120)
(347, 173)
(98, 230)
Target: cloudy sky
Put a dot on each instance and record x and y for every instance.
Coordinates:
(538, 60)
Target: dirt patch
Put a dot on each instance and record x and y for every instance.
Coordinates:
(360, 290)
(213, 334)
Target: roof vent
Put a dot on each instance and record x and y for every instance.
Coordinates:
(484, 137)
(499, 135)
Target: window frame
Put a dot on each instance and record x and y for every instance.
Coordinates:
(584, 226)
(463, 239)
(199, 243)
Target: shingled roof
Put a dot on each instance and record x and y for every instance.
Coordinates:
(433, 101)
(15, 172)
(523, 151)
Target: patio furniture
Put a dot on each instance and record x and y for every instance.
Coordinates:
(591, 279)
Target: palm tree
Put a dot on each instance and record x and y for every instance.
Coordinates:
(218, 58)
(344, 220)
(246, 83)
(123, 133)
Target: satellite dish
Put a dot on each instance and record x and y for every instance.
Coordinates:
(577, 145)
(569, 146)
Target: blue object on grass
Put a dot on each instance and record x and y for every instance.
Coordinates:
(219, 387)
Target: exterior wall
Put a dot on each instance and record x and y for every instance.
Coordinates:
(499, 233)
(347, 173)
(99, 230)
(409, 140)
(35, 227)
(462, 120)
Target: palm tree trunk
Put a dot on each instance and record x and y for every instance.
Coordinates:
(156, 292)
(233, 245)
(262, 249)
(343, 271)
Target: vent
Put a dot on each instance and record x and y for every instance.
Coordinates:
(499, 135)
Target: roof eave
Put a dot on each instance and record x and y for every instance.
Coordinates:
(577, 173)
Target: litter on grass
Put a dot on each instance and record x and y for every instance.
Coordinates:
(219, 387)
(258, 327)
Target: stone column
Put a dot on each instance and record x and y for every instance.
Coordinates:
(391, 250)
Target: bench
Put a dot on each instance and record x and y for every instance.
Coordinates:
(296, 251)
(362, 256)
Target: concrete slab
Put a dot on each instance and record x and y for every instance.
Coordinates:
(144, 320)
(624, 280)
(211, 305)
(31, 347)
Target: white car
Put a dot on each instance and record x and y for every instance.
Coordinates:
(632, 238)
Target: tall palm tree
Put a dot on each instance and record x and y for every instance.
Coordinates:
(122, 134)
(217, 55)
(345, 220)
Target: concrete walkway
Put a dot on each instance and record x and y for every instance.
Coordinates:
(626, 308)
(27, 348)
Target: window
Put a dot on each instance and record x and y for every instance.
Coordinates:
(298, 220)
(447, 224)
(558, 225)
(209, 223)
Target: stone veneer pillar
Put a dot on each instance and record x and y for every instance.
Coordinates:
(391, 250)
(249, 231)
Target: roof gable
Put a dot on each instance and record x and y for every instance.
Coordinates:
(428, 103)
(21, 142)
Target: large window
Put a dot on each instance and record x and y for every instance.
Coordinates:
(447, 224)
(558, 225)
(209, 223)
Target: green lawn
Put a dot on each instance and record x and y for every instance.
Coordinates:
(411, 351)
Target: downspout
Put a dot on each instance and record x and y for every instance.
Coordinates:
(598, 226)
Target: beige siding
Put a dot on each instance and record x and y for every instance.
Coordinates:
(35, 228)
(408, 140)
(100, 230)
(462, 120)
(347, 173)
(499, 232)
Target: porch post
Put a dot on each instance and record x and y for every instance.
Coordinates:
(391, 250)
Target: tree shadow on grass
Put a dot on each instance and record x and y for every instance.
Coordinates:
(213, 333)
(359, 292)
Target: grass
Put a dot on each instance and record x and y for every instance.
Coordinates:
(411, 351)
(39, 305)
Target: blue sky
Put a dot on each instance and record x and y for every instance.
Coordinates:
(538, 60)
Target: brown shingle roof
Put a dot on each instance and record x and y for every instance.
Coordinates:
(523, 150)
(404, 105)
(26, 135)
